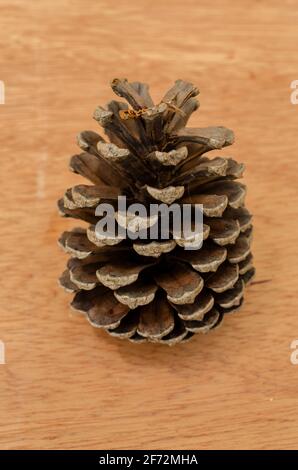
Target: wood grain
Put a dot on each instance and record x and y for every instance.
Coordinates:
(66, 385)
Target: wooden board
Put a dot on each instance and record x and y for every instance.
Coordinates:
(66, 385)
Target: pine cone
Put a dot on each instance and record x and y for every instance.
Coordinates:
(155, 290)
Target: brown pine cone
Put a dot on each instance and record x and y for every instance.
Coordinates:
(155, 290)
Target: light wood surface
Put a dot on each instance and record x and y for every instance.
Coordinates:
(66, 385)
